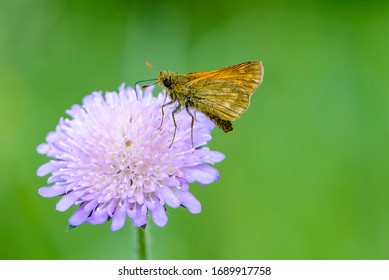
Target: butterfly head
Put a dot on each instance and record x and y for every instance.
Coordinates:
(165, 79)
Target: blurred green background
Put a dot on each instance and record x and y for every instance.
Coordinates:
(306, 169)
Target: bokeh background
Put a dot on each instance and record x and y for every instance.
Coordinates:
(306, 168)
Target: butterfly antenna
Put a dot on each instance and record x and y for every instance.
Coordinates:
(152, 66)
(149, 80)
(143, 81)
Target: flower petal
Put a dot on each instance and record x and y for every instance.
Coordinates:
(52, 191)
(45, 169)
(204, 174)
(171, 182)
(43, 148)
(189, 201)
(67, 201)
(158, 214)
(74, 111)
(119, 218)
(91, 205)
(98, 217)
(168, 196)
(215, 156)
(138, 215)
(79, 216)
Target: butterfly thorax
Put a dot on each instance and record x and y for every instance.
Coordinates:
(176, 85)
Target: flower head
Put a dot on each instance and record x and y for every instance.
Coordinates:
(112, 161)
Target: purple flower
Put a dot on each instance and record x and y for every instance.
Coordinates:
(111, 160)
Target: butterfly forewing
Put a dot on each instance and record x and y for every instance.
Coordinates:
(226, 92)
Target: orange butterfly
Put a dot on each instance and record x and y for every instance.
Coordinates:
(222, 95)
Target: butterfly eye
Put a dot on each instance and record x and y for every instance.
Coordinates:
(167, 83)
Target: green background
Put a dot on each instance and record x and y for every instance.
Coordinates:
(306, 168)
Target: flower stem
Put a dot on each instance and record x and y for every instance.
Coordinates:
(141, 243)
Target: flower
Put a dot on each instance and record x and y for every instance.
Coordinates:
(112, 161)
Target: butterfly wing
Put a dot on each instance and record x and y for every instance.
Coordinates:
(225, 93)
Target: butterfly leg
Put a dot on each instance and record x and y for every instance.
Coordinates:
(193, 118)
(163, 113)
(174, 121)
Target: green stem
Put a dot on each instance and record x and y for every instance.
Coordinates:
(141, 243)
